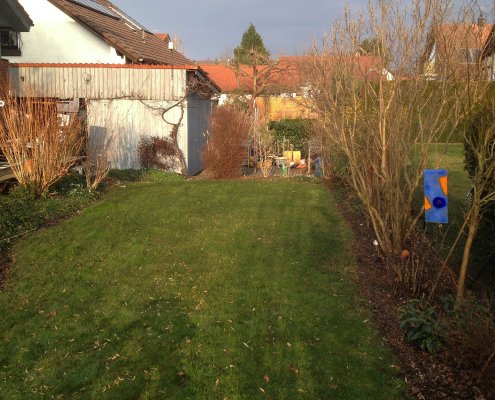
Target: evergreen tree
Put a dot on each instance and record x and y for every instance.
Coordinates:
(370, 47)
(251, 50)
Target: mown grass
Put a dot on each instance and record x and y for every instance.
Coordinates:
(192, 290)
(451, 158)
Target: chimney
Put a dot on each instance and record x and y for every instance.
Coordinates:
(171, 45)
(481, 21)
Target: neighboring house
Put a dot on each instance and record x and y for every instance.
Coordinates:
(91, 53)
(89, 31)
(455, 50)
(287, 84)
(358, 67)
(13, 20)
(281, 87)
(488, 56)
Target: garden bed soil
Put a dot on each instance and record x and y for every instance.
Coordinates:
(427, 376)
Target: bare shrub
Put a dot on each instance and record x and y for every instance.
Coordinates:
(39, 144)
(95, 165)
(382, 124)
(157, 152)
(223, 153)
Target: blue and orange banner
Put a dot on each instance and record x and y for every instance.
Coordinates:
(436, 196)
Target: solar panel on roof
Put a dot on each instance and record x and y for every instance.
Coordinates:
(93, 5)
(131, 20)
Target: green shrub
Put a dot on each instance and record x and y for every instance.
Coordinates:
(156, 175)
(144, 175)
(294, 131)
(419, 320)
(465, 332)
(21, 212)
(127, 175)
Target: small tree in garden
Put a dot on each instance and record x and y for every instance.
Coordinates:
(226, 142)
(255, 73)
(39, 145)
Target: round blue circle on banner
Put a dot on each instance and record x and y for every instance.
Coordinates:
(439, 202)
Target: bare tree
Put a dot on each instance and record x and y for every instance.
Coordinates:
(380, 122)
(257, 81)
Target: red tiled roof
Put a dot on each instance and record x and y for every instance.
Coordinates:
(462, 35)
(289, 75)
(282, 78)
(138, 45)
(452, 45)
(164, 37)
(359, 66)
(225, 77)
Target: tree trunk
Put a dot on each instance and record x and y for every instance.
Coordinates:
(473, 227)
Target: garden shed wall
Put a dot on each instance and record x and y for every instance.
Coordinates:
(124, 103)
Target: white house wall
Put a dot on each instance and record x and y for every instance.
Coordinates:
(57, 38)
(120, 124)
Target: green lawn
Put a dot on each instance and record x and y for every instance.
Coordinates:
(192, 290)
(451, 158)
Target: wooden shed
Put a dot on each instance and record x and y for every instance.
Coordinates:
(127, 102)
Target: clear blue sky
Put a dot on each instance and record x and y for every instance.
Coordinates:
(212, 28)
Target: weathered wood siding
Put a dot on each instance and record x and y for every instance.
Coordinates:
(119, 124)
(97, 82)
(123, 105)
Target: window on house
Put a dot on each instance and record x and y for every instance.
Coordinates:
(11, 43)
(470, 56)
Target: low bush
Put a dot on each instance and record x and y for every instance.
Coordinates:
(295, 132)
(144, 175)
(126, 175)
(223, 153)
(39, 145)
(420, 322)
(464, 332)
(469, 337)
(22, 212)
(157, 153)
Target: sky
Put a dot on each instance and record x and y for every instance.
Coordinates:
(210, 29)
